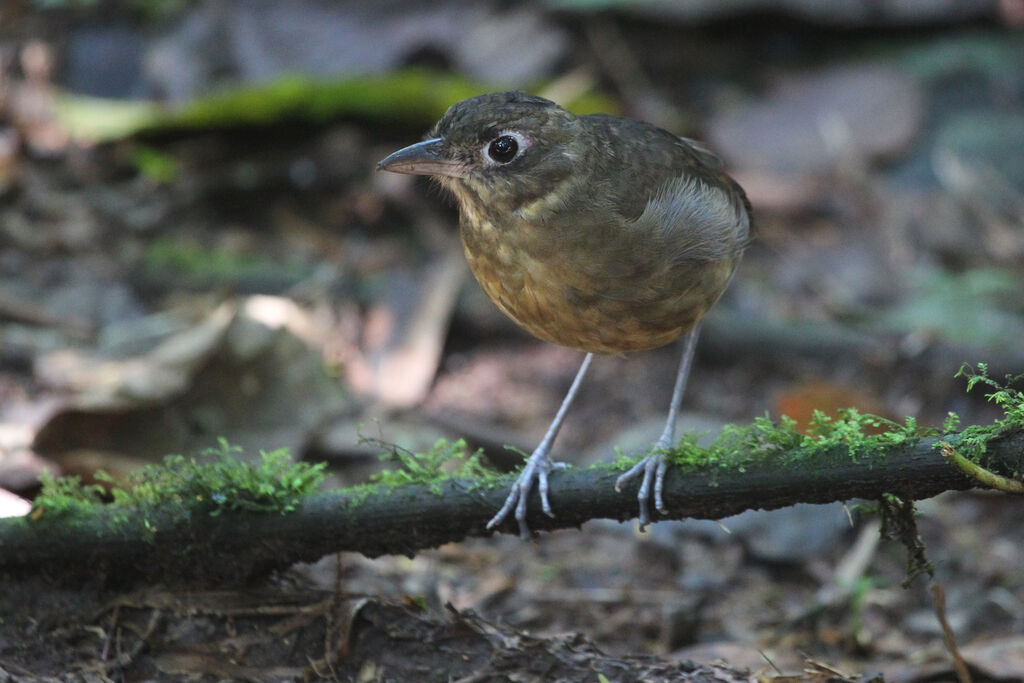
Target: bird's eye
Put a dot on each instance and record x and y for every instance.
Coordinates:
(504, 148)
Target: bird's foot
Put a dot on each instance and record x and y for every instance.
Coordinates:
(537, 467)
(653, 468)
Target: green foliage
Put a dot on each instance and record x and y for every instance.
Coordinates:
(443, 461)
(739, 446)
(859, 431)
(154, 165)
(219, 483)
(64, 495)
(974, 438)
(98, 118)
(859, 593)
(275, 484)
(978, 306)
(859, 435)
(417, 601)
(1009, 399)
(411, 97)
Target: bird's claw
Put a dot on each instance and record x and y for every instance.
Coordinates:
(537, 467)
(653, 467)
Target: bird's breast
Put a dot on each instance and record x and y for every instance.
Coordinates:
(598, 292)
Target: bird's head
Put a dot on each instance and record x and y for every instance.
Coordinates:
(496, 152)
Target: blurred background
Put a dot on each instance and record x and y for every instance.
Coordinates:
(194, 244)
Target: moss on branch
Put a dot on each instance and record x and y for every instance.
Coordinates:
(226, 521)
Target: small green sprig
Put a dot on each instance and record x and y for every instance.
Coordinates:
(974, 438)
(443, 461)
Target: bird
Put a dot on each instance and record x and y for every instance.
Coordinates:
(596, 232)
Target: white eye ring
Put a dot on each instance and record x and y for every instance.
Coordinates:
(505, 148)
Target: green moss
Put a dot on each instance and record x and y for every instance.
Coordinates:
(409, 97)
(445, 460)
(276, 484)
(412, 96)
(974, 438)
(65, 495)
(357, 495)
(859, 435)
(764, 440)
(220, 482)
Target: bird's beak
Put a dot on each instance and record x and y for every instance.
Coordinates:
(423, 158)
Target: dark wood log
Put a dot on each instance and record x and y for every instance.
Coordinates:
(179, 543)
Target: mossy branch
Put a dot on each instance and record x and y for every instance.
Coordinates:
(225, 521)
(183, 541)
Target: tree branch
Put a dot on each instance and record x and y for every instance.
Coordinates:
(178, 543)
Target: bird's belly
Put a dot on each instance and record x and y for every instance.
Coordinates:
(559, 304)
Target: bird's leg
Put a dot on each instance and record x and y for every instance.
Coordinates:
(539, 464)
(655, 464)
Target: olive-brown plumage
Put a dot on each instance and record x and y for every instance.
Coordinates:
(596, 232)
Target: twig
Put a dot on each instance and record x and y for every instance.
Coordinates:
(939, 600)
(976, 471)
